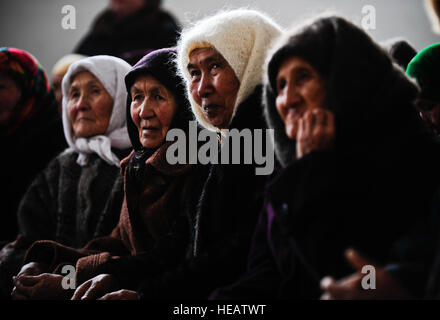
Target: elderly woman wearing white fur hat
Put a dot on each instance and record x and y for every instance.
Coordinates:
(221, 59)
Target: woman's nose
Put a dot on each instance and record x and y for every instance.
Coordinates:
(292, 96)
(205, 86)
(145, 110)
(83, 103)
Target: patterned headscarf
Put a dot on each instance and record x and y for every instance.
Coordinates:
(31, 78)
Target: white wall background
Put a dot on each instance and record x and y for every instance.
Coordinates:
(36, 25)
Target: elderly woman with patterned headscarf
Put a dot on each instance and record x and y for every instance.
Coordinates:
(79, 194)
(31, 132)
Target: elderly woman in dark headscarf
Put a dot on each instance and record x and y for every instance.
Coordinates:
(154, 220)
(358, 169)
(31, 132)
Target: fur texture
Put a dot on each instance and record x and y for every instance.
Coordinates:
(242, 37)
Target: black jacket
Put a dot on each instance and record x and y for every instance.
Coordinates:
(26, 152)
(219, 224)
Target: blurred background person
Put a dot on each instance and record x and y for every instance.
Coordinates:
(432, 8)
(31, 131)
(400, 51)
(58, 71)
(129, 29)
(425, 68)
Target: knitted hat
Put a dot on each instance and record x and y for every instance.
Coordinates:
(425, 67)
(159, 64)
(242, 37)
(110, 72)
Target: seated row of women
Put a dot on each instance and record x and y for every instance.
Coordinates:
(356, 181)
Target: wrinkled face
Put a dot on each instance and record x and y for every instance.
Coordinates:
(89, 105)
(57, 79)
(299, 88)
(213, 85)
(152, 109)
(10, 94)
(430, 113)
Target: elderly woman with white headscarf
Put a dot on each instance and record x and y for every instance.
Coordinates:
(79, 195)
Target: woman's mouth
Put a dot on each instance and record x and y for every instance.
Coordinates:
(293, 113)
(149, 130)
(212, 110)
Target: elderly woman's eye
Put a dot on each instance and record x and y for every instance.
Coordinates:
(96, 90)
(159, 97)
(137, 97)
(194, 73)
(281, 84)
(303, 76)
(74, 94)
(214, 66)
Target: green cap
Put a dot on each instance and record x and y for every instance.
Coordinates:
(425, 68)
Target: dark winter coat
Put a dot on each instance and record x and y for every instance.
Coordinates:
(221, 223)
(371, 192)
(66, 203)
(206, 245)
(26, 152)
(131, 37)
(150, 214)
(183, 229)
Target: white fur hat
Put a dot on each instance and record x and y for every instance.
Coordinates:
(242, 37)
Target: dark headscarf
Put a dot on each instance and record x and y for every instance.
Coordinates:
(369, 95)
(28, 74)
(400, 50)
(159, 64)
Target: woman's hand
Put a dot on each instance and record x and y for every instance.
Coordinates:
(32, 269)
(45, 286)
(121, 295)
(95, 288)
(316, 131)
(350, 287)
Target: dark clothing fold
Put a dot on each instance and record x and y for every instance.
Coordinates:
(130, 38)
(378, 205)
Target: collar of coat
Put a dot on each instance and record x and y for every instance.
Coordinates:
(159, 162)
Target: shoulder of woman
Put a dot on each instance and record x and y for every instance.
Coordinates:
(160, 162)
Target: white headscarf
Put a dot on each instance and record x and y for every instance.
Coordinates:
(110, 71)
(243, 37)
